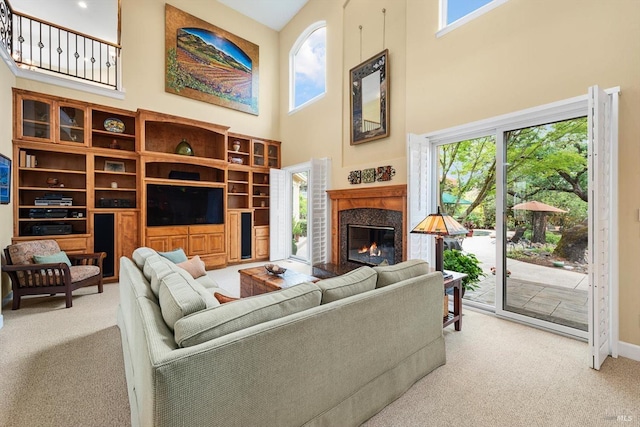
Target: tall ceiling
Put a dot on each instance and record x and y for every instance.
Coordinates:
(273, 13)
(100, 17)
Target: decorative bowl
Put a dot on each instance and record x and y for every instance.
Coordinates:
(274, 269)
(114, 125)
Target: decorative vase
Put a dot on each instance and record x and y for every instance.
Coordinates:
(184, 148)
(236, 145)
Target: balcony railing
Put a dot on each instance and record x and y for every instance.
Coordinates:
(37, 44)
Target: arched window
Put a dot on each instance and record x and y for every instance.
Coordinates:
(308, 66)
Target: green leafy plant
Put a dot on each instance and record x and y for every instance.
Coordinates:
(468, 264)
(297, 228)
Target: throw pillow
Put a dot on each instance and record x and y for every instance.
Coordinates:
(175, 256)
(194, 266)
(390, 274)
(354, 282)
(223, 298)
(53, 258)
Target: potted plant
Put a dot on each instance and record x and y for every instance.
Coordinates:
(455, 260)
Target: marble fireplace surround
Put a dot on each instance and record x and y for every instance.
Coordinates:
(365, 206)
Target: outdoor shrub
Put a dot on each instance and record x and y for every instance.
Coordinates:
(455, 260)
(553, 238)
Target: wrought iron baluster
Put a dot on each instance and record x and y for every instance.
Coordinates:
(18, 33)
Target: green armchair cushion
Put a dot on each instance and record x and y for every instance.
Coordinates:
(53, 258)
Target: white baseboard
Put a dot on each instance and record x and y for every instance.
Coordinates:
(630, 351)
(1, 321)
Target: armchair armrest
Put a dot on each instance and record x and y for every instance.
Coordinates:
(50, 274)
(95, 258)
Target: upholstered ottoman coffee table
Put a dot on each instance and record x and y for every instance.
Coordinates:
(256, 280)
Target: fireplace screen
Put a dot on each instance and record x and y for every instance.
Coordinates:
(370, 245)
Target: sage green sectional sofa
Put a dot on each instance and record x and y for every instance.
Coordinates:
(332, 353)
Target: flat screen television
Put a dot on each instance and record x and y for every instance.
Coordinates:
(184, 205)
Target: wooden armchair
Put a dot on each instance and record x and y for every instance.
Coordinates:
(29, 278)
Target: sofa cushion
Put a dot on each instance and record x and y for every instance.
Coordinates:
(151, 263)
(176, 256)
(178, 299)
(194, 266)
(207, 282)
(354, 282)
(227, 318)
(398, 272)
(205, 293)
(158, 271)
(141, 254)
(53, 258)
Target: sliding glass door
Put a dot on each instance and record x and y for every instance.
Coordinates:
(545, 225)
(551, 253)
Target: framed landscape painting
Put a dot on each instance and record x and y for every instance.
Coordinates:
(209, 64)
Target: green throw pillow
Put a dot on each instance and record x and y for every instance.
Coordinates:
(53, 258)
(176, 256)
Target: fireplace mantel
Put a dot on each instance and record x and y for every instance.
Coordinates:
(391, 197)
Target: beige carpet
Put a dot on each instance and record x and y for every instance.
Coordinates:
(63, 367)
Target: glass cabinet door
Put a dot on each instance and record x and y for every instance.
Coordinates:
(36, 120)
(71, 124)
(274, 156)
(258, 153)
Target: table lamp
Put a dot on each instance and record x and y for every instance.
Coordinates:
(440, 225)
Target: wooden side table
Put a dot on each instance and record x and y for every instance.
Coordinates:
(455, 283)
(256, 281)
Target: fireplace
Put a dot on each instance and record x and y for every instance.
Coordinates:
(379, 209)
(370, 245)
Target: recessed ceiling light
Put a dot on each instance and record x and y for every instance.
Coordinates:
(82, 4)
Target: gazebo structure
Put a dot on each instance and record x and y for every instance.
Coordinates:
(539, 218)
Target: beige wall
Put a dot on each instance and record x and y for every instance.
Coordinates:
(322, 128)
(6, 126)
(528, 53)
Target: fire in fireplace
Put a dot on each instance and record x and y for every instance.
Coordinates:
(370, 245)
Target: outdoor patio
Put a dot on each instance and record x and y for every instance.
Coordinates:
(556, 295)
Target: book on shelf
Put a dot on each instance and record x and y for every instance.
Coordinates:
(31, 161)
(23, 159)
